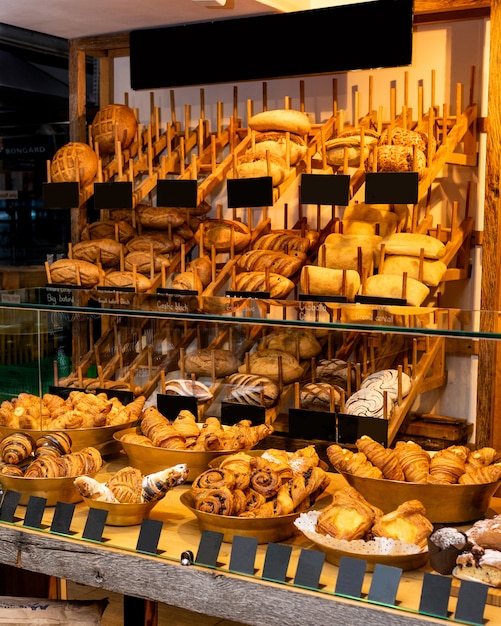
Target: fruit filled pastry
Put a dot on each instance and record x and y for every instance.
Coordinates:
(407, 523)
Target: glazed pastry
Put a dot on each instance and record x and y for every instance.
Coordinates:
(155, 486)
(16, 448)
(414, 461)
(214, 478)
(348, 517)
(55, 443)
(384, 458)
(91, 488)
(407, 523)
(126, 485)
(217, 501)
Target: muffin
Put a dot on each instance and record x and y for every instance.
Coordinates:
(444, 546)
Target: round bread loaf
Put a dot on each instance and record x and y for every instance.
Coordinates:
(280, 144)
(253, 389)
(319, 396)
(206, 361)
(187, 281)
(114, 121)
(74, 162)
(387, 380)
(108, 229)
(369, 403)
(350, 141)
(335, 372)
(189, 388)
(105, 251)
(299, 342)
(397, 158)
(285, 120)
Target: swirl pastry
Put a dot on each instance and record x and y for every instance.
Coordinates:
(370, 403)
(218, 501)
(214, 478)
(384, 458)
(253, 389)
(190, 388)
(16, 448)
(155, 486)
(263, 478)
(55, 443)
(388, 380)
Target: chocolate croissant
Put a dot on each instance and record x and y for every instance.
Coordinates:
(155, 486)
(16, 448)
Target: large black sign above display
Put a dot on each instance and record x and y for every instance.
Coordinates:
(325, 39)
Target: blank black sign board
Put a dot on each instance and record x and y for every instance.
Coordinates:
(170, 406)
(384, 586)
(470, 605)
(149, 536)
(276, 562)
(351, 577)
(94, 526)
(233, 412)
(249, 192)
(63, 515)
(208, 548)
(177, 193)
(391, 187)
(352, 427)
(113, 195)
(60, 195)
(312, 424)
(435, 594)
(309, 568)
(63, 392)
(9, 504)
(243, 554)
(325, 189)
(34, 512)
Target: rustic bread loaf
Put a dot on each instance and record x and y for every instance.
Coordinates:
(324, 281)
(203, 267)
(105, 251)
(187, 281)
(433, 271)
(139, 282)
(74, 162)
(205, 361)
(108, 229)
(350, 141)
(392, 286)
(395, 158)
(74, 272)
(360, 218)
(279, 286)
(341, 252)
(300, 342)
(277, 261)
(284, 120)
(411, 244)
(114, 122)
(282, 145)
(270, 362)
(257, 164)
(219, 233)
(160, 217)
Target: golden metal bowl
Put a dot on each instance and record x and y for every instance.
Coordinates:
(123, 514)
(152, 459)
(264, 529)
(445, 504)
(80, 437)
(54, 490)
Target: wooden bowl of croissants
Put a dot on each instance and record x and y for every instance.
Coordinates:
(454, 484)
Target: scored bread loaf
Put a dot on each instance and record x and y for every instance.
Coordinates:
(279, 286)
(160, 217)
(203, 267)
(109, 229)
(280, 144)
(114, 122)
(145, 262)
(253, 389)
(324, 281)
(74, 162)
(156, 242)
(285, 120)
(187, 281)
(74, 272)
(105, 251)
(220, 233)
(432, 271)
(350, 143)
(276, 260)
(392, 286)
(300, 342)
(139, 282)
(271, 363)
(280, 240)
(206, 361)
(258, 164)
(411, 244)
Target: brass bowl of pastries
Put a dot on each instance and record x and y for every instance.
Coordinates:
(264, 529)
(80, 437)
(445, 504)
(151, 459)
(123, 513)
(54, 490)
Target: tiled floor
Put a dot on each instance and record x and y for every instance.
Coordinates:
(167, 615)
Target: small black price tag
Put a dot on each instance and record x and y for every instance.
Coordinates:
(233, 412)
(149, 536)
(60, 195)
(470, 605)
(276, 562)
(170, 406)
(352, 427)
(243, 555)
(34, 511)
(305, 424)
(249, 192)
(113, 195)
(9, 505)
(309, 568)
(379, 300)
(384, 585)
(435, 594)
(94, 526)
(333, 189)
(177, 193)
(63, 514)
(209, 547)
(391, 187)
(351, 577)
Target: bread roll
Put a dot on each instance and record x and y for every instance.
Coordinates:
(324, 281)
(219, 233)
(105, 251)
(269, 362)
(341, 252)
(391, 286)
(74, 162)
(74, 272)
(284, 120)
(433, 271)
(205, 361)
(411, 244)
(281, 145)
(257, 164)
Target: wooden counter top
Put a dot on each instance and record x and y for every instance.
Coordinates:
(114, 565)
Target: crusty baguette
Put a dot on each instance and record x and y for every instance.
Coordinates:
(411, 244)
(281, 240)
(283, 120)
(324, 281)
(278, 261)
